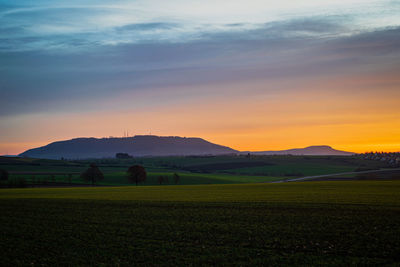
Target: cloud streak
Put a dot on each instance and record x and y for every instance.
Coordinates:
(219, 59)
(53, 25)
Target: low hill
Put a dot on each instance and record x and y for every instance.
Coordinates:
(310, 151)
(140, 145)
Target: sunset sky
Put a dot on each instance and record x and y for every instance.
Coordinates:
(252, 75)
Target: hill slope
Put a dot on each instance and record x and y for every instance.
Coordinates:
(311, 150)
(140, 145)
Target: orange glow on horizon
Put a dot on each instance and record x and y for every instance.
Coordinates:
(299, 124)
(352, 119)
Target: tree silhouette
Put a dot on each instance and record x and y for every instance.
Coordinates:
(3, 175)
(176, 178)
(92, 174)
(136, 174)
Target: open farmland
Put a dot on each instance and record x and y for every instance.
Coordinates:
(330, 223)
(192, 170)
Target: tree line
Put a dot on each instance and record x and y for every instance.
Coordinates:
(135, 174)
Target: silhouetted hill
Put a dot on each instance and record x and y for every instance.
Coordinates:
(140, 145)
(311, 150)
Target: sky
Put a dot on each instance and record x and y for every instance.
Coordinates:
(252, 75)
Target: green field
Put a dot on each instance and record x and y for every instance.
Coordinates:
(313, 223)
(120, 178)
(192, 170)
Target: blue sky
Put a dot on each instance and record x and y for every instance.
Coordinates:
(79, 25)
(83, 57)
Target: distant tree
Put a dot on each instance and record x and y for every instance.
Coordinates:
(3, 175)
(123, 156)
(92, 174)
(137, 174)
(176, 178)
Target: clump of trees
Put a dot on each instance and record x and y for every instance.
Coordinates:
(14, 182)
(3, 175)
(123, 156)
(92, 174)
(136, 174)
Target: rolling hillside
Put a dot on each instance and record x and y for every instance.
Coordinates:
(308, 151)
(140, 145)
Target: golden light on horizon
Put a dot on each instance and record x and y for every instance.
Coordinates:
(348, 121)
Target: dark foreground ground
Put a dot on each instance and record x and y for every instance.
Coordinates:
(293, 224)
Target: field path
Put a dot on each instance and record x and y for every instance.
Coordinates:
(330, 175)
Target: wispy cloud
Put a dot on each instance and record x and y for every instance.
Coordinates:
(49, 25)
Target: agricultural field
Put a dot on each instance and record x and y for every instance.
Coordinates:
(387, 174)
(191, 170)
(347, 223)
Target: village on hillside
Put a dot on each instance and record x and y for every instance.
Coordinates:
(393, 158)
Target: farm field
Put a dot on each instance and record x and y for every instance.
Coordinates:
(309, 223)
(119, 178)
(387, 174)
(192, 170)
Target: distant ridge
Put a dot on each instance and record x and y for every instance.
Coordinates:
(139, 145)
(310, 151)
(151, 145)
